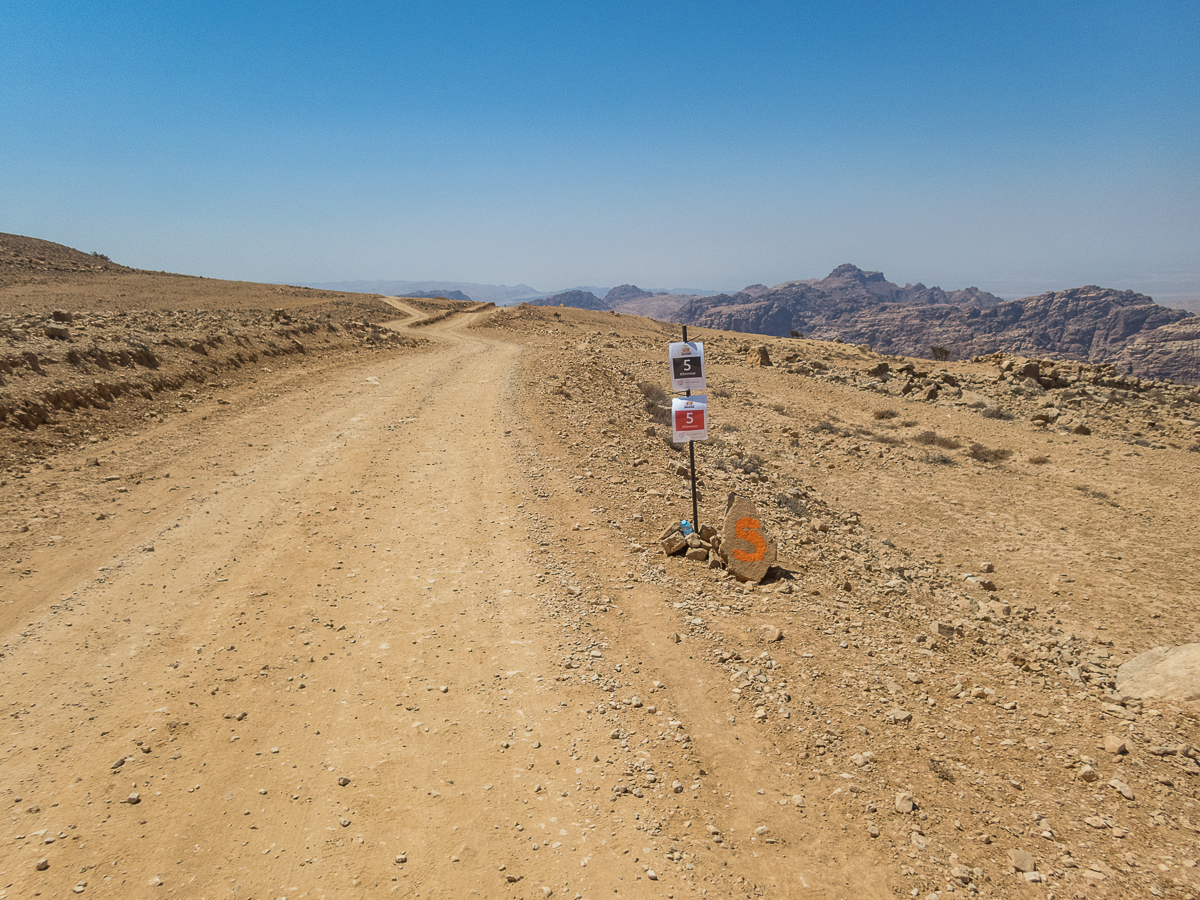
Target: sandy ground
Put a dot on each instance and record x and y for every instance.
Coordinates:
(400, 625)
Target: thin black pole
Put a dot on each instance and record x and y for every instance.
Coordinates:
(692, 458)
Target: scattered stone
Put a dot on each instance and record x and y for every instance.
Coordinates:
(1115, 745)
(1087, 773)
(674, 543)
(899, 716)
(343, 781)
(133, 799)
(770, 633)
(1164, 673)
(43, 864)
(1122, 788)
(905, 802)
(1021, 860)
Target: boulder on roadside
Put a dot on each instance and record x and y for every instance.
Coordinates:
(1164, 673)
(746, 547)
(770, 633)
(758, 357)
(674, 543)
(1021, 860)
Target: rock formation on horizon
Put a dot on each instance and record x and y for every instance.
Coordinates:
(1089, 323)
(577, 299)
(444, 295)
(623, 293)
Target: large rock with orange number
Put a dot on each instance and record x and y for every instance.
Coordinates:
(746, 546)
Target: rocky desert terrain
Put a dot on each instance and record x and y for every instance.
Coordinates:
(307, 594)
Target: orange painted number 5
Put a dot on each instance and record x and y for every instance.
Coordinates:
(747, 530)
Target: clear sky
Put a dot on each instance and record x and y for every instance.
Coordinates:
(1017, 146)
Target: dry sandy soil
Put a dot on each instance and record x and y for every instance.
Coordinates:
(390, 616)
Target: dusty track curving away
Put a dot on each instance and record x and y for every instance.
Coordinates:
(305, 641)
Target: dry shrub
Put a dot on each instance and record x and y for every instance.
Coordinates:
(881, 414)
(654, 392)
(829, 428)
(749, 465)
(1039, 460)
(940, 459)
(995, 412)
(658, 403)
(933, 439)
(985, 454)
(908, 423)
(794, 505)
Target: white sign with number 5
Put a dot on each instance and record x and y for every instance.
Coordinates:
(687, 366)
(689, 419)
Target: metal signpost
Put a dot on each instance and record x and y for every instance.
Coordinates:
(689, 415)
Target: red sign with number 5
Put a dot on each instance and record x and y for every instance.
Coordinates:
(689, 418)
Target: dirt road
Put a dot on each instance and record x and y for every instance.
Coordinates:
(296, 649)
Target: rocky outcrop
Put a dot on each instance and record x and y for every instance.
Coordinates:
(1090, 324)
(577, 299)
(1172, 349)
(442, 295)
(623, 293)
(806, 305)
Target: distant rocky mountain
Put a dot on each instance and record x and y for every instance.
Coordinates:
(805, 305)
(577, 299)
(445, 295)
(1091, 324)
(500, 294)
(623, 293)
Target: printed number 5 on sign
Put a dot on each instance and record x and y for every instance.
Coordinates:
(747, 530)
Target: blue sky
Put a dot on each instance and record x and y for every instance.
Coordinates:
(1015, 146)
